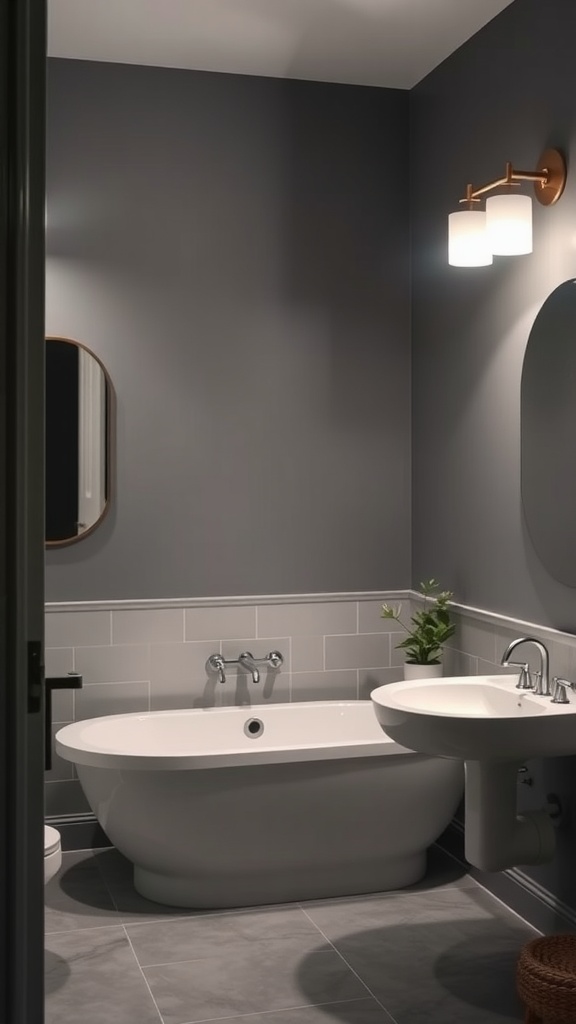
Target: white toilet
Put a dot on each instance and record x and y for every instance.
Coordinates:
(52, 853)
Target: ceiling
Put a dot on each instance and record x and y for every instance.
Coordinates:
(391, 43)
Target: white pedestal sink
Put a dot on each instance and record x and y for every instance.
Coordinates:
(493, 727)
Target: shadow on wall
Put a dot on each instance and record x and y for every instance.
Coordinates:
(244, 693)
(555, 779)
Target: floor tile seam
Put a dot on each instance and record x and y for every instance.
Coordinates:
(169, 918)
(224, 911)
(128, 922)
(356, 975)
(282, 1009)
(220, 955)
(218, 912)
(144, 978)
(112, 923)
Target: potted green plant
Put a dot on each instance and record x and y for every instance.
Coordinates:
(431, 628)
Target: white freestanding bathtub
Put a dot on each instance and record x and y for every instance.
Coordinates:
(228, 807)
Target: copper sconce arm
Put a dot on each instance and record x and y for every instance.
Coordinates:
(549, 180)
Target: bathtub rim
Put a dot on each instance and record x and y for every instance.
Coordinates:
(70, 746)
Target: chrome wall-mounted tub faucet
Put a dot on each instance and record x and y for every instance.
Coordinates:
(217, 664)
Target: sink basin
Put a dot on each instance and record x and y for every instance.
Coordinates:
(475, 718)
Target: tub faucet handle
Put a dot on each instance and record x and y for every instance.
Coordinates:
(274, 659)
(216, 663)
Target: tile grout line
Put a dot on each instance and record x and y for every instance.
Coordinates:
(112, 923)
(282, 1009)
(350, 968)
(200, 959)
(142, 973)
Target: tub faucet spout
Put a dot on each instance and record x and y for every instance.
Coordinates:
(247, 661)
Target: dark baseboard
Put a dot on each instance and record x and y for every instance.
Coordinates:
(518, 891)
(79, 832)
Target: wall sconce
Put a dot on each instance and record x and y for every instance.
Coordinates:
(504, 228)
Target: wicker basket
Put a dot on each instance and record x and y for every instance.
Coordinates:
(546, 979)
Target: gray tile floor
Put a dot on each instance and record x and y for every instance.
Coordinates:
(441, 952)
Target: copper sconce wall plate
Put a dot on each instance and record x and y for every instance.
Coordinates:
(553, 165)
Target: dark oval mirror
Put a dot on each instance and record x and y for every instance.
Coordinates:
(79, 402)
(548, 433)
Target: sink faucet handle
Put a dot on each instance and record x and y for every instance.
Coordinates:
(524, 679)
(559, 687)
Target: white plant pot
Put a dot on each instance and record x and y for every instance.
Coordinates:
(412, 671)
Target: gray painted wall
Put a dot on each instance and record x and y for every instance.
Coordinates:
(236, 251)
(505, 95)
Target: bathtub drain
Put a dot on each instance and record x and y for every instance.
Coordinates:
(253, 728)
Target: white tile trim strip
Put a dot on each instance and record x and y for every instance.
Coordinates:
(481, 614)
(217, 602)
(550, 900)
(507, 622)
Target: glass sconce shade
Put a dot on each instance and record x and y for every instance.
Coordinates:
(509, 224)
(468, 244)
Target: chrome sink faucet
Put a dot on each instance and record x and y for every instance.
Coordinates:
(542, 684)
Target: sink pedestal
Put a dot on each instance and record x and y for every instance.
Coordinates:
(497, 837)
(494, 727)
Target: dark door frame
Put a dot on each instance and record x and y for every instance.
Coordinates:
(22, 147)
